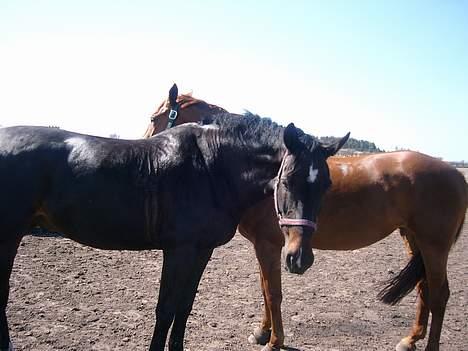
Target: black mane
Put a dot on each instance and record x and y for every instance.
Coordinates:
(252, 126)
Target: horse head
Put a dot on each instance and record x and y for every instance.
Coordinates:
(178, 109)
(302, 180)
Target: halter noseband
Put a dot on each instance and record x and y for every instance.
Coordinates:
(289, 221)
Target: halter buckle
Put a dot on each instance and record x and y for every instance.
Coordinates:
(172, 115)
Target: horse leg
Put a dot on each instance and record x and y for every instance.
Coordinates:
(418, 330)
(261, 335)
(178, 266)
(167, 299)
(435, 246)
(433, 290)
(260, 226)
(184, 305)
(269, 258)
(439, 292)
(7, 255)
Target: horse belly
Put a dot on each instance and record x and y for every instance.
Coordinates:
(332, 239)
(110, 236)
(108, 225)
(355, 228)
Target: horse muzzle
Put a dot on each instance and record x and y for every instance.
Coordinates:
(298, 255)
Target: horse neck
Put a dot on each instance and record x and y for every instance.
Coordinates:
(252, 169)
(213, 109)
(202, 110)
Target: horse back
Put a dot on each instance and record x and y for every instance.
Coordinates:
(373, 195)
(111, 194)
(412, 173)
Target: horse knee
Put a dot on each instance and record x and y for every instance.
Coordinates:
(164, 315)
(274, 298)
(184, 311)
(445, 295)
(446, 291)
(439, 301)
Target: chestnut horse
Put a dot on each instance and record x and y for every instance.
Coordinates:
(370, 197)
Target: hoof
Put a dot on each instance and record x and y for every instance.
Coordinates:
(405, 346)
(268, 347)
(259, 337)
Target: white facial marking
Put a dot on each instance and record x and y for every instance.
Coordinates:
(312, 174)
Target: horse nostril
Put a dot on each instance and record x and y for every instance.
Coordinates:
(292, 262)
(298, 261)
(288, 260)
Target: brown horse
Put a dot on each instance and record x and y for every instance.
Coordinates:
(371, 196)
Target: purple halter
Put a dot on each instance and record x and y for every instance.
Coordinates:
(289, 221)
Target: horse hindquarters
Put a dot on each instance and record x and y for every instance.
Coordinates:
(427, 269)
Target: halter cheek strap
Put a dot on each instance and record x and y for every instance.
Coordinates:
(289, 221)
(172, 116)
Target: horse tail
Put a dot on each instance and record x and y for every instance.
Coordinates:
(401, 285)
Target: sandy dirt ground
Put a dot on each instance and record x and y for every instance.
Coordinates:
(65, 296)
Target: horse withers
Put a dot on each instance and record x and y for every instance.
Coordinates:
(158, 193)
(370, 197)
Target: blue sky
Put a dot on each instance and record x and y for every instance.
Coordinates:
(393, 72)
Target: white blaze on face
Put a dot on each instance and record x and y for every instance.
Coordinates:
(312, 174)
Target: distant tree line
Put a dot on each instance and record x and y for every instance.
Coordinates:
(354, 144)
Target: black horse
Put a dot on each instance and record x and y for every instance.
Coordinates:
(183, 191)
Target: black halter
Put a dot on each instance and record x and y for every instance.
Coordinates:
(173, 113)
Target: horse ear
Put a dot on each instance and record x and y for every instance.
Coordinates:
(291, 138)
(332, 149)
(173, 93)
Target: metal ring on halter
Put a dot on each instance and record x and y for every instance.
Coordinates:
(288, 221)
(173, 114)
